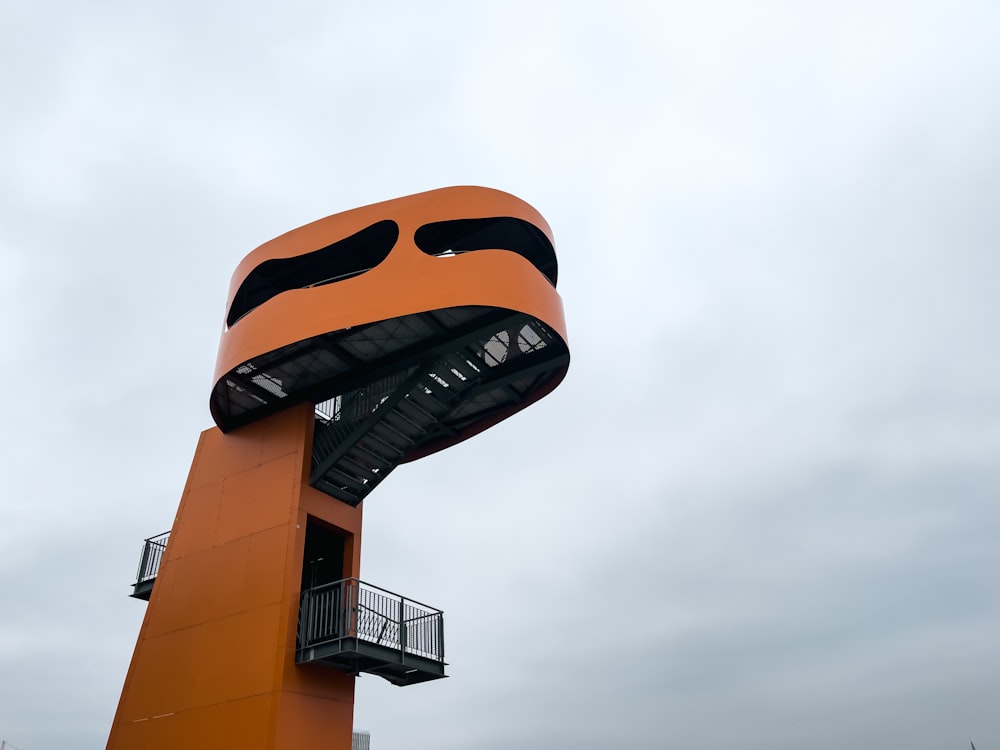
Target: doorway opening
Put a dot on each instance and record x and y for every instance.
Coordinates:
(323, 561)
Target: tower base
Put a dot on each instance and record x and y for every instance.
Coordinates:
(215, 663)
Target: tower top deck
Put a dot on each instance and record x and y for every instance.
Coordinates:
(413, 324)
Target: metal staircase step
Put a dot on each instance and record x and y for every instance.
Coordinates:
(403, 423)
(390, 434)
(426, 398)
(355, 463)
(351, 498)
(379, 460)
(414, 410)
(390, 447)
(458, 363)
(336, 473)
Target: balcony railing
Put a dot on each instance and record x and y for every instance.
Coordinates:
(149, 565)
(358, 627)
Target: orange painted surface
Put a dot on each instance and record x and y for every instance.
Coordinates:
(408, 280)
(214, 666)
(410, 213)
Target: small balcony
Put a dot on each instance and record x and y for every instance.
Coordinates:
(356, 627)
(149, 565)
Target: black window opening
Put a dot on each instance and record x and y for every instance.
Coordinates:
(342, 260)
(447, 238)
(323, 560)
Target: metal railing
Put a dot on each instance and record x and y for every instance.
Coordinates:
(152, 555)
(354, 609)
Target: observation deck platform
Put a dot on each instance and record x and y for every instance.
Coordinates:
(356, 627)
(368, 315)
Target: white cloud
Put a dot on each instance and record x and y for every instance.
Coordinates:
(764, 491)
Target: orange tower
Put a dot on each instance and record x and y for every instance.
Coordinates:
(351, 345)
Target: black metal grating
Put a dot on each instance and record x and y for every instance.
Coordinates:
(318, 368)
(361, 435)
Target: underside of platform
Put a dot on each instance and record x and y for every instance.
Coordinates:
(358, 656)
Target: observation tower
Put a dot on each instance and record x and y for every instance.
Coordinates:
(351, 345)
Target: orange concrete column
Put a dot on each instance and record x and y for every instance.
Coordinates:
(214, 666)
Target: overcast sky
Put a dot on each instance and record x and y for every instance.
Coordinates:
(762, 509)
